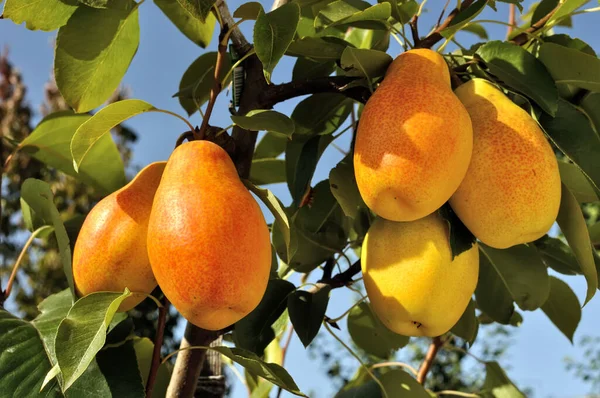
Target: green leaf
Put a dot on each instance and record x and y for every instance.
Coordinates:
(353, 13)
(250, 10)
(590, 104)
(199, 32)
(254, 365)
(476, 29)
(119, 366)
(318, 48)
(398, 383)
(369, 38)
(463, 17)
(261, 119)
(277, 209)
(497, 384)
(370, 335)
(461, 239)
(267, 171)
(93, 52)
(53, 310)
(255, 331)
(567, 7)
(558, 256)
(83, 332)
(563, 308)
(144, 348)
(541, 9)
(567, 41)
(595, 233)
(273, 33)
(43, 15)
(96, 3)
(305, 68)
(199, 9)
(520, 70)
(50, 143)
(321, 114)
(364, 63)
(38, 196)
(583, 71)
(307, 311)
(24, 363)
(270, 146)
(571, 131)
(342, 183)
(524, 274)
(491, 294)
(572, 224)
(467, 326)
(403, 11)
(198, 80)
(577, 182)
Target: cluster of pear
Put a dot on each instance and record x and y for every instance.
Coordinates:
(188, 224)
(420, 145)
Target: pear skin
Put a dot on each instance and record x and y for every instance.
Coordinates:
(414, 286)
(208, 241)
(110, 253)
(511, 192)
(414, 139)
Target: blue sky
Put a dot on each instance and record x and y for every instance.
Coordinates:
(536, 357)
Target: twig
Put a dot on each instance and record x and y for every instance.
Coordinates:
(185, 136)
(439, 21)
(328, 268)
(399, 364)
(457, 394)
(284, 351)
(511, 19)
(436, 36)
(158, 342)
(523, 37)
(429, 358)
(344, 278)
(414, 29)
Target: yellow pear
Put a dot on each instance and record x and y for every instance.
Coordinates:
(511, 193)
(208, 241)
(110, 253)
(414, 286)
(414, 139)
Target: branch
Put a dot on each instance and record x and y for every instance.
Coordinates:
(523, 37)
(435, 36)
(414, 29)
(158, 342)
(511, 19)
(436, 344)
(276, 93)
(343, 278)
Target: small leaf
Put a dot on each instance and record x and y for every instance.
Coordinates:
(571, 131)
(270, 146)
(583, 71)
(254, 365)
(497, 384)
(307, 311)
(53, 310)
(198, 32)
(476, 29)
(273, 33)
(572, 224)
(467, 326)
(403, 385)
(267, 171)
(43, 15)
(50, 143)
(577, 182)
(250, 10)
(558, 256)
(523, 273)
(198, 80)
(461, 239)
(353, 13)
(95, 128)
(199, 9)
(83, 332)
(342, 183)
(364, 63)
(520, 70)
(305, 68)
(563, 308)
(318, 48)
(321, 114)
(255, 331)
(491, 294)
(269, 120)
(93, 52)
(567, 7)
(370, 335)
(38, 196)
(369, 38)
(463, 17)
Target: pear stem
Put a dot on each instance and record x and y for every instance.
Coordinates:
(158, 342)
(434, 347)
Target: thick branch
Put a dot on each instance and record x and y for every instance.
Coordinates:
(524, 37)
(343, 278)
(277, 93)
(435, 36)
(434, 347)
(414, 29)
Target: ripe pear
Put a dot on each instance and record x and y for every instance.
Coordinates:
(414, 286)
(414, 139)
(208, 241)
(511, 192)
(110, 253)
